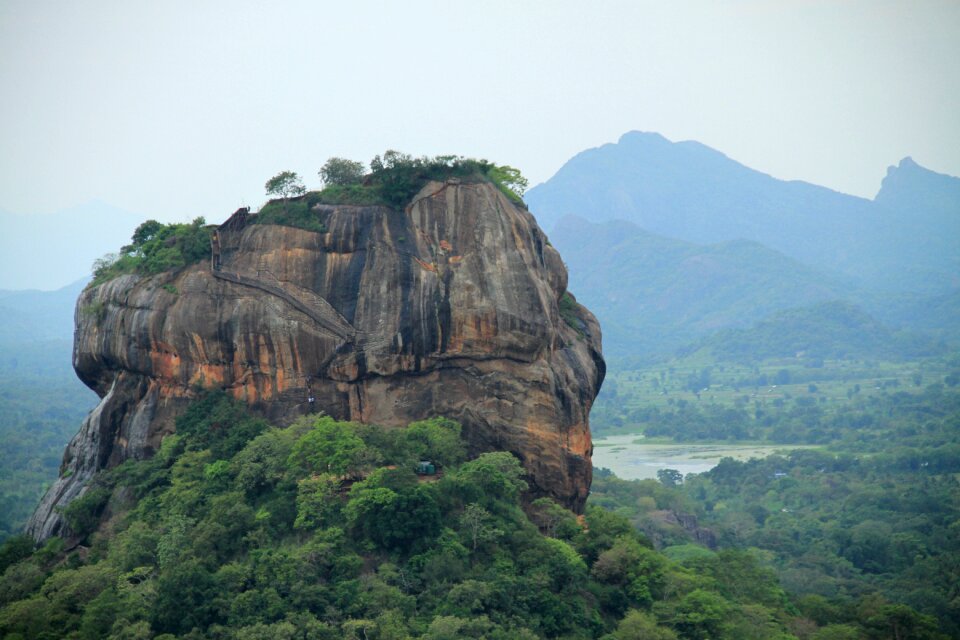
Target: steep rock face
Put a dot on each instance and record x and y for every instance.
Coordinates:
(447, 308)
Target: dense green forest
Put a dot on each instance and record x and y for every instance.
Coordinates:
(830, 330)
(323, 529)
(42, 404)
(844, 528)
(795, 378)
(870, 515)
(864, 420)
(867, 518)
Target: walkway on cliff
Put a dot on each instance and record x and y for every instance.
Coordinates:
(320, 311)
(310, 304)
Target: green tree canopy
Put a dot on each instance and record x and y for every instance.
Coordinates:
(286, 184)
(437, 440)
(638, 625)
(341, 171)
(332, 447)
(156, 247)
(491, 476)
(509, 178)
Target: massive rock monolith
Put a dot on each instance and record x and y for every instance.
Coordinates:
(450, 307)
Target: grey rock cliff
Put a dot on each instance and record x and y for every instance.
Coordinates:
(449, 307)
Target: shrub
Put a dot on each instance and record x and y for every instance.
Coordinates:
(340, 171)
(83, 514)
(285, 184)
(293, 213)
(14, 549)
(332, 447)
(568, 311)
(400, 176)
(156, 247)
(219, 423)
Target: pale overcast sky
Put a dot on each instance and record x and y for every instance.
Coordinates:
(176, 109)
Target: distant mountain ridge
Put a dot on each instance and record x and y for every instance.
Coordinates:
(937, 314)
(34, 316)
(653, 293)
(910, 185)
(688, 191)
(917, 236)
(833, 329)
(48, 251)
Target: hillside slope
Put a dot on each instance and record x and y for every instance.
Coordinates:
(654, 294)
(836, 330)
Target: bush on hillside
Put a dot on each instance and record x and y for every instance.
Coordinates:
(154, 248)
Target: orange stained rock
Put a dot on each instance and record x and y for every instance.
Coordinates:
(266, 361)
(426, 265)
(243, 393)
(294, 256)
(164, 347)
(279, 379)
(578, 440)
(165, 365)
(542, 431)
(478, 331)
(207, 375)
(198, 344)
(173, 391)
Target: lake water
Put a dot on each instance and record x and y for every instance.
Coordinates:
(627, 457)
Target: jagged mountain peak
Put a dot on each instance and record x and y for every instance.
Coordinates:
(909, 180)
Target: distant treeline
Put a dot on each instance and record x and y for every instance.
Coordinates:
(802, 420)
(832, 330)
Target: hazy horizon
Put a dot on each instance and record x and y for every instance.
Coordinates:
(103, 228)
(177, 110)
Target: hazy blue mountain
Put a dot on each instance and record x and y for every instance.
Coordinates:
(36, 337)
(937, 315)
(686, 190)
(32, 315)
(932, 196)
(835, 330)
(653, 294)
(917, 238)
(47, 251)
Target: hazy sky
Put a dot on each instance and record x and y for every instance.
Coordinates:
(176, 109)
